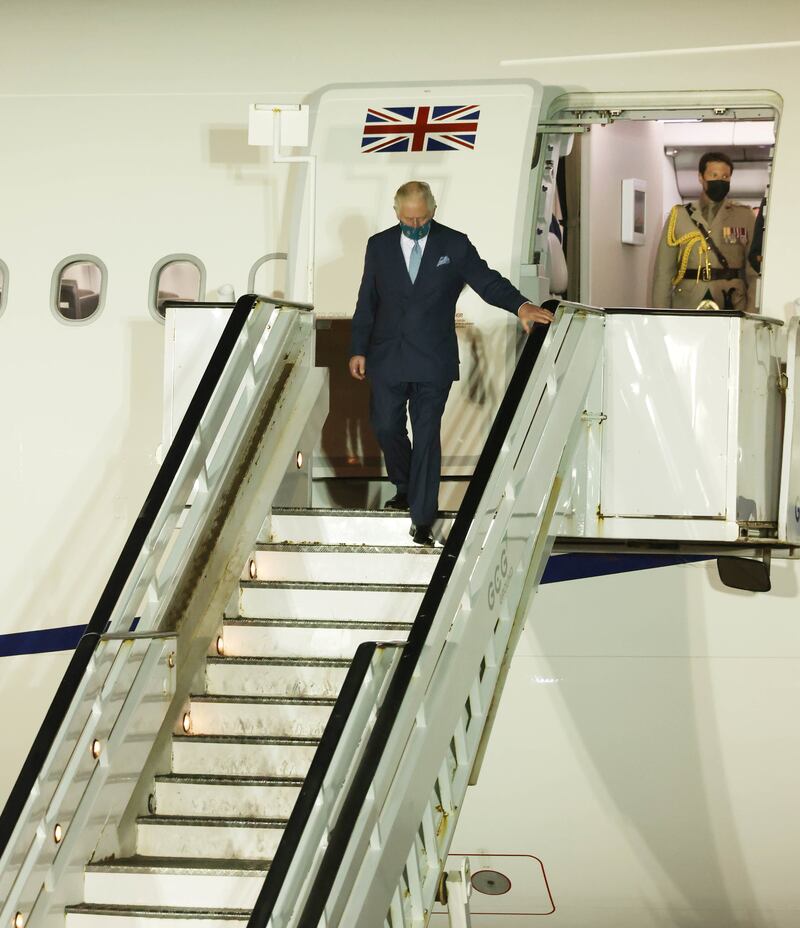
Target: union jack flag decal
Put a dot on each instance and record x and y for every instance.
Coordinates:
(420, 128)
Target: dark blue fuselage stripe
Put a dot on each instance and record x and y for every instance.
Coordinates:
(559, 568)
(41, 641)
(583, 566)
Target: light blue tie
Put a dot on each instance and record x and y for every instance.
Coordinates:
(414, 262)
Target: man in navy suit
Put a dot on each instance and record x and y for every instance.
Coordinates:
(404, 340)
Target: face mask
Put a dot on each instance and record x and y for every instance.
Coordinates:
(717, 190)
(415, 232)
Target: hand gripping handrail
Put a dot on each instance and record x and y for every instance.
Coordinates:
(167, 533)
(341, 882)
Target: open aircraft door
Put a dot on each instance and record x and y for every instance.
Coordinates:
(474, 144)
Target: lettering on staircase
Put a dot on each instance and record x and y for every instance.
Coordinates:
(499, 579)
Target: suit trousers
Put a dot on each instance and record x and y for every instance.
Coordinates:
(416, 469)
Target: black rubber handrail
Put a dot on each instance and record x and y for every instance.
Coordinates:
(387, 713)
(125, 563)
(197, 304)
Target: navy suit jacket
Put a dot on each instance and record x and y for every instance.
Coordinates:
(407, 331)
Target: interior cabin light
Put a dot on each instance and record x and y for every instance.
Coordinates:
(96, 749)
(19, 920)
(299, 459)
(58, 834)
(220, 645)
(186, 724)
(252, 569)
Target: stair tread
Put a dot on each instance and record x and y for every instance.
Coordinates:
(210, 779)
(264, 700)
(213, 821)
(239, 620)
(139, 863)
(283, 740)
(335, 587)
(148, 911)
(346, 548)
(372, 513)
(281, 661)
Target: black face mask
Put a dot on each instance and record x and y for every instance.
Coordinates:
(717, 190)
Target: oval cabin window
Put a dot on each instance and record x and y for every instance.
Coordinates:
(78, 288)
(3, 286)
(176, 277)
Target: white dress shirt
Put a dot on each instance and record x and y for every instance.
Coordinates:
(407, 244)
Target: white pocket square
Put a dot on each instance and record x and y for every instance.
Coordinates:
(443, 260)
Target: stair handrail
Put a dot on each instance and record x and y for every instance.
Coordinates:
(26, 784)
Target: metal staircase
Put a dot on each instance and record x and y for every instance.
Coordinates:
(218, 814)
(295, 752)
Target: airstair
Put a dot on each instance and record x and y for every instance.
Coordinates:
(274, 714)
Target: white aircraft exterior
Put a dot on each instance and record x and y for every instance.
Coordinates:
(643, 767)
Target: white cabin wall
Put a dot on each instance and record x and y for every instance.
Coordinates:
(621, 274)
(86, 425)
(130, 180)
(122, 129)
(27, 685)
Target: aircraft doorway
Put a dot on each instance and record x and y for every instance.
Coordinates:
(620, 174)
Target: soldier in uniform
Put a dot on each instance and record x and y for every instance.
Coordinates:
(702, 255)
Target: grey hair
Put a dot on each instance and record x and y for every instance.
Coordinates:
(412, 189)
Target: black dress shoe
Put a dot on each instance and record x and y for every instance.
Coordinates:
(421, 535)
(399, 503)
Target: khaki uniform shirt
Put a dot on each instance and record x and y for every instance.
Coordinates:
(731, 227)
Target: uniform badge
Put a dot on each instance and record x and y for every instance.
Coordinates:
(734, 235)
